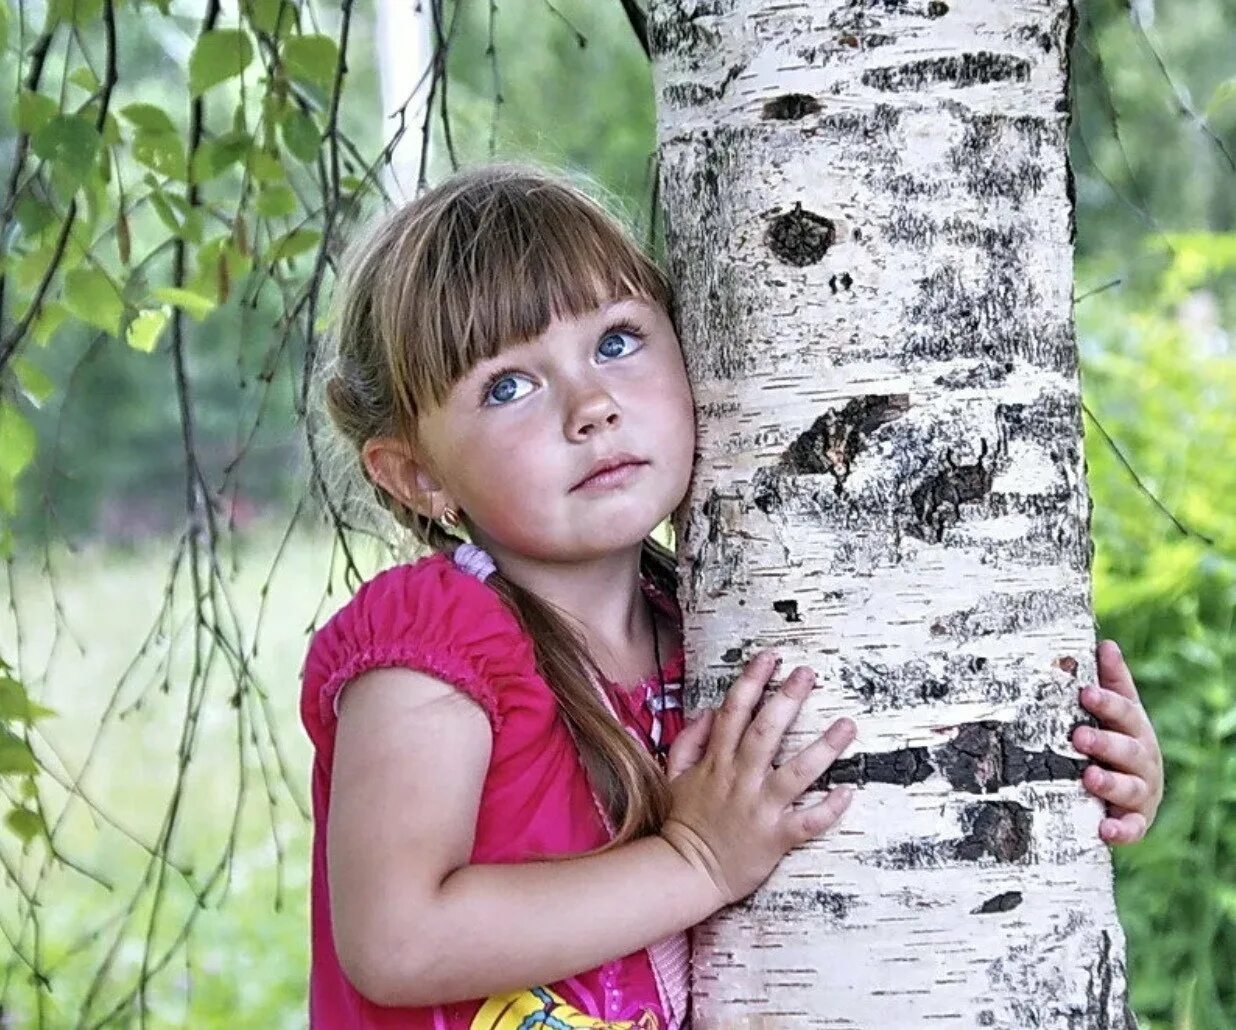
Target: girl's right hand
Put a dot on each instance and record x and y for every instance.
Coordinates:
(732, 816)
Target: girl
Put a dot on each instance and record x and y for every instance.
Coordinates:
(505, 794)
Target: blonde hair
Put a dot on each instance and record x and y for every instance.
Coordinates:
(485, 260)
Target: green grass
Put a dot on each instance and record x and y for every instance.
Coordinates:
(246, 959)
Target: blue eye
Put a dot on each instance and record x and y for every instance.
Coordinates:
(613, 341)
(502, 389)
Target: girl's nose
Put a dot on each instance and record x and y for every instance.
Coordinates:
(593, 409)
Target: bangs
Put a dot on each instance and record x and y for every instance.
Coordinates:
(496, 257)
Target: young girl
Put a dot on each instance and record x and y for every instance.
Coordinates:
(513, 825)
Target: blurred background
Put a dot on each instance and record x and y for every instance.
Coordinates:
(140, 724)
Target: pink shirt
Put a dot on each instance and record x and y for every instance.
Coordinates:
(536, 800)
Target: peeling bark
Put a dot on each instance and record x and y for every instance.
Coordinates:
(869, 217)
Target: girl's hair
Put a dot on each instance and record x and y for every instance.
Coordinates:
(485, 260)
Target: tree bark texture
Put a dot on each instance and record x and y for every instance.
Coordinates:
(869, 219)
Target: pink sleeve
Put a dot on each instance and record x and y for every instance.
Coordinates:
(429, 617)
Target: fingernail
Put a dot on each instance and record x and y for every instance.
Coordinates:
(1084, 737)
(1091, 694)
(1100, 778)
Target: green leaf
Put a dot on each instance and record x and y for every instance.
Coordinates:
(84, 78)
(301, 135)
(158, 200)
(15, 703)
(34, 110)
(26, 823)
(312, 60)
(276, 202)
(34, 215)
(264, 15)
(90, 295)
(161, 152)
(292, 243)
(214, 157)
(148, 118)
(36, 384)
(75, 12)
(145, 329)
(16, 443)
(15, 755)
(69, 143)
(267, 167)
(218, 56)
(48, 320)
(193, 304)
(1223, 96)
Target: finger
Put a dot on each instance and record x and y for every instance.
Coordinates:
(763, 735)
(1115, 711)
(735, 711)
(1115, 750)
(1120, 789)
(690, 744)
(1113, 672)
(791, 778)
(803, 824)
(1128, 829)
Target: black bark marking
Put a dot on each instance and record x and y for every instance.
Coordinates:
(984, 757)
(936, 502)
(937, 9)
(960, 72)
(1010, 613)
(837, 437)
(790, 107)
(832, 906)
(789, 609)
(842, 281)
(995, 829)
(732, 656)
(980, 759)
(1104, 1009)
(1005, 902)
(801, 238)
(901, 768)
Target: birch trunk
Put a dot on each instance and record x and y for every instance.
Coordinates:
(869, 220)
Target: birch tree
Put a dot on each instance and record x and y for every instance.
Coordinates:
(869, 218)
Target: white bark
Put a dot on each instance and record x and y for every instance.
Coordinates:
(869, 219)
(404, 30)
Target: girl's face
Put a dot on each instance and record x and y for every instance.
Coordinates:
(518, 434)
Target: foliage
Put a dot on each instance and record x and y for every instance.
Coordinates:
(1162, 380)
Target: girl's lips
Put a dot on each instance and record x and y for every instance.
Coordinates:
(611, 478)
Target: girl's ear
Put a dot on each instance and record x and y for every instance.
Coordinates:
(393, 466)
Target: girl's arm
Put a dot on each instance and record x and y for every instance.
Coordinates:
(415, 924)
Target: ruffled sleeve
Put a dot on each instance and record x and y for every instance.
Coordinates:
(428, 616)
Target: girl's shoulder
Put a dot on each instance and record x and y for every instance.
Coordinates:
(426, 615)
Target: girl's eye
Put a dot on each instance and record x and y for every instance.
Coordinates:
(613, 342)
(504, 389)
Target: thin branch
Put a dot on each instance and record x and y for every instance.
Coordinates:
(639, 24)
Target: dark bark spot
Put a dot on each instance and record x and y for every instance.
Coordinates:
(832, 906)
(936, 502)
(995, 829)
(801, 237)
(1005, 902)
(937, 9)
(842, 281)
(790, 107)
(733, 655)
(901, 768)
(1068, 663)
(966, 70)
(789, 609)
(837, 437)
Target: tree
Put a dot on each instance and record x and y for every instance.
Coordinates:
(869, 219)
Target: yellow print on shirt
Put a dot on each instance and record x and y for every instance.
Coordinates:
(539, 1008)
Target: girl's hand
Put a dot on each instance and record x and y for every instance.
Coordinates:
(1128, 773)
(732, 815)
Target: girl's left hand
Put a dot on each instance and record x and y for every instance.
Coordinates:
(1128, 769)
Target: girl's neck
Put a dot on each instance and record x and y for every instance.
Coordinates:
(602, 597)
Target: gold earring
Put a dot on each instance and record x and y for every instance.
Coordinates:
(450, 518)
